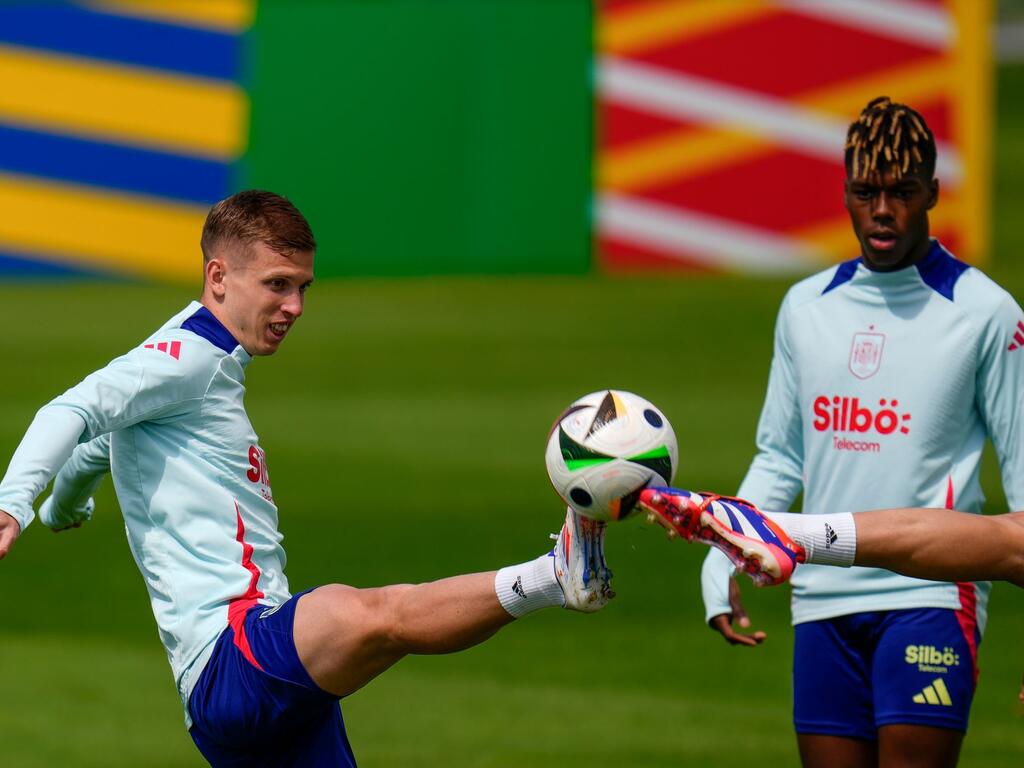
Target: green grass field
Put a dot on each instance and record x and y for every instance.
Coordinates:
(404, 425)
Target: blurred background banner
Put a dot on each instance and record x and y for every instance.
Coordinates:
(120, 123)
(426, 137)
(457, 137)
(418, 137)
(722, 124)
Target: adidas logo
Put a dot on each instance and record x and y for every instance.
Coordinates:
(1018, 337)
(936, 693)
(831, 537)
(517, 587)
(173, 349)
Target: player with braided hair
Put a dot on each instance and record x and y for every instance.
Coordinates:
(893, 133)
(889, 372)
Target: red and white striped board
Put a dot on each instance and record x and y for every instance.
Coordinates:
(721, 125)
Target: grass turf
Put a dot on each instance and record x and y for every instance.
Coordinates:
(404, 425)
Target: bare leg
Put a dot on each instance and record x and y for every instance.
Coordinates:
(943, 545)
(345, 636)
(918, 746)
(818, 751)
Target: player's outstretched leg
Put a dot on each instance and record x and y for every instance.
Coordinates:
(345, 636)
(754, 544)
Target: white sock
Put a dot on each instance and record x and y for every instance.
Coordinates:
(529, 586)
(827, 539)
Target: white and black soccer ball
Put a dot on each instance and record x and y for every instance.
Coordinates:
(606, 448)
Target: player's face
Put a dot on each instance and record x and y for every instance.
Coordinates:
(263, 296)
(890, 218)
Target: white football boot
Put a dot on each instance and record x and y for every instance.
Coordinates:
(579, 564)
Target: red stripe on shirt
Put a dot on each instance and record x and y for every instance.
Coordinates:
(240, 605)
(968, 618)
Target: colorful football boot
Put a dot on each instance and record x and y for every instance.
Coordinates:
(753, 543)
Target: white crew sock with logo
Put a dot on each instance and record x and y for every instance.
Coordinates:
(529, 586)
(827, 539)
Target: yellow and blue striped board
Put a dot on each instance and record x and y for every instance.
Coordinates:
(120, 123)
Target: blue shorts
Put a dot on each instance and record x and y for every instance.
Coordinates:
(854, 674)
(255, 705)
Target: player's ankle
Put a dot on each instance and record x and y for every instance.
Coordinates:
(528, 587)
(827, 539)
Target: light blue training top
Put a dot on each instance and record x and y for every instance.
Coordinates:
(168, 421)
(883, 388)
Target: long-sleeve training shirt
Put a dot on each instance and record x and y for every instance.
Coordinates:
(883, 388)
(168, 421)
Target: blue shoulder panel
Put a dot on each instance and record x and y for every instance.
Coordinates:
(940, 270)
(204, 324)
(844, 274)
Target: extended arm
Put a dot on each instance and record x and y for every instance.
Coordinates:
(942, 545)
(139, 386)
(46, 446)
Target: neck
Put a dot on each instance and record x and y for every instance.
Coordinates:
(217, 310)
(208, 301)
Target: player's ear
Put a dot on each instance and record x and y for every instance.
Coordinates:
(215, 273)
(933, 193)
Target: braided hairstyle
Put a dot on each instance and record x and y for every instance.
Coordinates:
(889, 137)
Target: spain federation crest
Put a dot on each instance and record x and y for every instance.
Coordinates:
(866, 354)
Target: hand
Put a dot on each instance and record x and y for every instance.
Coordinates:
(57, 520)
(9, 531)
(722, 623)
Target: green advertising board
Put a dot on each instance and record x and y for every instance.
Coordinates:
(427, 136)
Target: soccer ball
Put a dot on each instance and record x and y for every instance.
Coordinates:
(606, 448)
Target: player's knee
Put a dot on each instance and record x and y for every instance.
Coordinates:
(371, 615)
